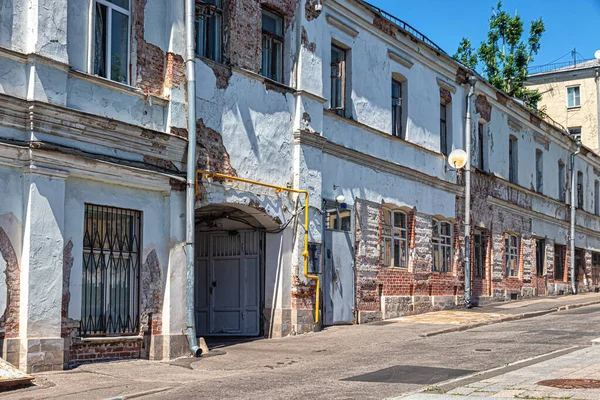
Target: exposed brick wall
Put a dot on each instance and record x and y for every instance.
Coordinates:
(243, 19)
(368, 257)
(385, 26)
(83, 352)
(150, 58)
(483, 107)
(175, 71)
(445, 96)
(10, 319)
(211, 150)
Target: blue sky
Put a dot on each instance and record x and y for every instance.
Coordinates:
(569, 23)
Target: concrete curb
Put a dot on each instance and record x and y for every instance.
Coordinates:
(514, 317)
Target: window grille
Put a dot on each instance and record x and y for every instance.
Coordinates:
(209, 29)
(111, 271)
(442, 246)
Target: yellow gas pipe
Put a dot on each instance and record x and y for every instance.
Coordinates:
(278, 189)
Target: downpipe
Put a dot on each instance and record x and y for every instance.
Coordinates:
(467, 258)
(573, 213)
(190, 177)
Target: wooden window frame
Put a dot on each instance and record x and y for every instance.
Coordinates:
(272, 37)
(393, 234)
(442, 246)
(338, 71)
(397, 110)
(511, 253)
(210, 13)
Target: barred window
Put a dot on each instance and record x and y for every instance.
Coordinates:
(394, 249)
(209, 29)
(111, 271)
(442, 246)
(511, 255)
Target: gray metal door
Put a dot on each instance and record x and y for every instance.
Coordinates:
(338, 274)
(228, 283)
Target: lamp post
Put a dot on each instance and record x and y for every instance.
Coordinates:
(458, 159)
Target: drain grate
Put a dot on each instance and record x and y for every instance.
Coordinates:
(572, 383)
(381, 323)
(410, 374)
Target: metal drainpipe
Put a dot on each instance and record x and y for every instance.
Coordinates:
(190, 65)
(472, 81)
(572, 222)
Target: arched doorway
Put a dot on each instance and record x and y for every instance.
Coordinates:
(229, 278)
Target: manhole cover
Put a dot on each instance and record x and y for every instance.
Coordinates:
(572, 383)
(410, 374)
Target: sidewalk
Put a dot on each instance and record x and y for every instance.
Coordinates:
(459, 320)
(524, 383)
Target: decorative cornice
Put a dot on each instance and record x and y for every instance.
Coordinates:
(375, 163)
(333, 21)
(401, 59)
(78, 129)
(443, 84)
(310, 95)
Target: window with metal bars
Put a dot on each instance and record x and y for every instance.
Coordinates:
(111, 271)
(209, 29)
(595, 268)
(272, 46)
(442, 246)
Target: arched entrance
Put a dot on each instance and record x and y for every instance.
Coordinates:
(229, 279)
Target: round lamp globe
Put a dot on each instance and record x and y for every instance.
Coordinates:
(457, 159)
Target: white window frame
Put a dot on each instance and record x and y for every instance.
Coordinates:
(511, 253)
(392, 233)
(91, 47)
(567, 93)
(444, 244)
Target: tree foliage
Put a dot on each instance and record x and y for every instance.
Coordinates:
(505, 56)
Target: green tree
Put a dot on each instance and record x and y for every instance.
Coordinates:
(504, 57)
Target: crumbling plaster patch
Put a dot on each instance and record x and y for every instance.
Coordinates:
(151, 293)
(10, 318)
(483, 108)
(150, 58)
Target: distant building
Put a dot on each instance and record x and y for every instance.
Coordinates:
(570, 97)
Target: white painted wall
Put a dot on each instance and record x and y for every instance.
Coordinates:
(155, 224)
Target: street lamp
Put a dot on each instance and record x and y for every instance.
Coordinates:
(461, 159)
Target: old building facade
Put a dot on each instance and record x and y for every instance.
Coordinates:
(571, 97)
(334, 97)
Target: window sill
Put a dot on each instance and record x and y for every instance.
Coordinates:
(107, 339)
(121, 87)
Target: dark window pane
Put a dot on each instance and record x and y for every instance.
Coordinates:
(119, 46)
(121, 3)
(100, 41)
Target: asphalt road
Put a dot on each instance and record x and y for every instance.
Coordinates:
(372, 361)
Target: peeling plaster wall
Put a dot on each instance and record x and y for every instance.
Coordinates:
(155, 236)
(11, 217)
(369, 75)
